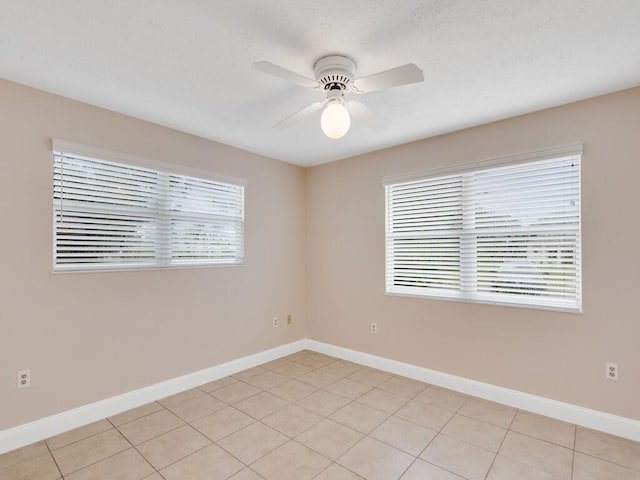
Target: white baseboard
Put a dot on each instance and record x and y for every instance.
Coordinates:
(31, 432)
(35, 431)
(605, 422)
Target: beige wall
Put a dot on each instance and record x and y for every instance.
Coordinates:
(89, 336)
(556, 355)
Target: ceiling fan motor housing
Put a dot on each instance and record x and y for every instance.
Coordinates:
(335, 72)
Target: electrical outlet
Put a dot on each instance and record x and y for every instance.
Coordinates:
(24, 378)
(611, 371)
(374, 327)
(289, 319)
(275, 322)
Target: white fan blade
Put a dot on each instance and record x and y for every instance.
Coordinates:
(284, 74)
(395, 77)
(299, 115)
(367, 115)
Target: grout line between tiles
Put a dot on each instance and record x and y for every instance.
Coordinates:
(444, 434)
(79, 440)
(159, 435)
(54, 459)
(408, 466)
(635, 470)
(162, 407)
(97, 461)
(178, 460)
(323, 470)
(136, 449)
(540, 439)
(508, 429)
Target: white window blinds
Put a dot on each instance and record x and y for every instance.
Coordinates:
(507, 234)
(111, 215)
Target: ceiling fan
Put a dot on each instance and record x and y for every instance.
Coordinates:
(335, 76)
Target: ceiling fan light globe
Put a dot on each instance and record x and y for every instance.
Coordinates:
(335, 120)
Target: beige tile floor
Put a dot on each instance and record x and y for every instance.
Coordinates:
(310, 416)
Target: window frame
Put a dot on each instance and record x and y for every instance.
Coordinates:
(459, 295)
(164, 169)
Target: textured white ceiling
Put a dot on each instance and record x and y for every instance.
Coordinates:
(186, 64)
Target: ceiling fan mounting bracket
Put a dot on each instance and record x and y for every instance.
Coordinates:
(335, 72)
(335, 94)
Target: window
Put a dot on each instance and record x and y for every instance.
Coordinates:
(111, 211)
(508, 233)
